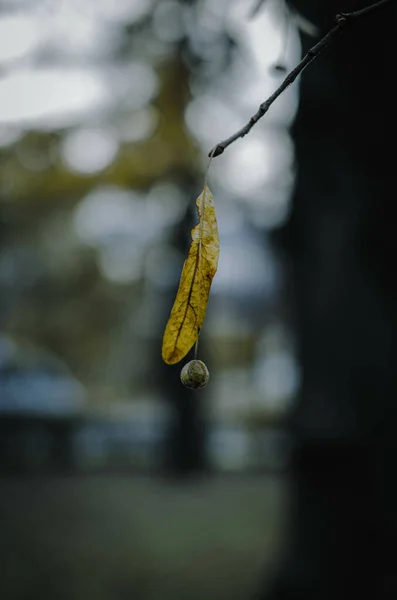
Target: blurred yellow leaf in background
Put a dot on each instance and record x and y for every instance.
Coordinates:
(188, 313)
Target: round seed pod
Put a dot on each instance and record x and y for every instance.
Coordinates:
(195, 375)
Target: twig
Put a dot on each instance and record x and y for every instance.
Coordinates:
(341, 20)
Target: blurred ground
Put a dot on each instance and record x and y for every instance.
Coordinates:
(119, 537)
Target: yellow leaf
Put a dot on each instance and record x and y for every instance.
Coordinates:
(188, 313)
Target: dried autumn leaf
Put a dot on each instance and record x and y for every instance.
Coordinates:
(188, 313)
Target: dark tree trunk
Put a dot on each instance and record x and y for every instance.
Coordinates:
(342, 521)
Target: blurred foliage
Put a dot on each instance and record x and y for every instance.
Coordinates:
(97, 200)
(64, 302)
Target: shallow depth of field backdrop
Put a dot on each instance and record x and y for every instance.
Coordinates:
(116, 481)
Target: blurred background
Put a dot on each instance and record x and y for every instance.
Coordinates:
(116, 482)
(107, 113)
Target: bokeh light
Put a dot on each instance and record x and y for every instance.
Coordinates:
(50, 98)
(90, 150)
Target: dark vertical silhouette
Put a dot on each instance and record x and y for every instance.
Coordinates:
(342, 520)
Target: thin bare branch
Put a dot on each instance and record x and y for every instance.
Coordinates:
(341, 22)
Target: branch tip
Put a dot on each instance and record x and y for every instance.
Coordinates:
(216, 151)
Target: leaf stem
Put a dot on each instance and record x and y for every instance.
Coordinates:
(341, 21)
(196, 347)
